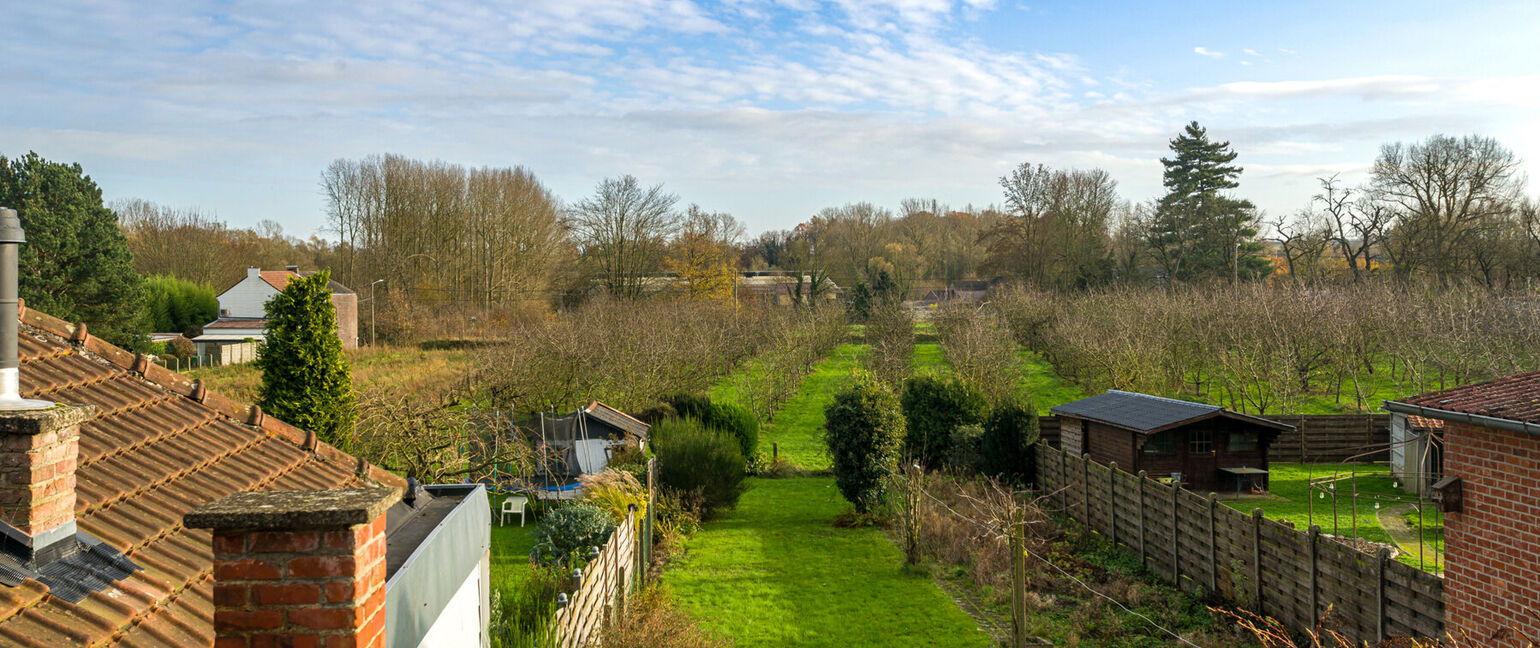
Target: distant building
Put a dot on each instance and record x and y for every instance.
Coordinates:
(243, 307)
(1208, 448)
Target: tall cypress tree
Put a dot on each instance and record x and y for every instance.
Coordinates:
(76, 263)
(305, 379)
(1198, 231)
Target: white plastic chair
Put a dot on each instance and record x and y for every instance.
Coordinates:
(514, 504)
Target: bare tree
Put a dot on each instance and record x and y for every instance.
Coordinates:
(623, 230)
(1445, 190)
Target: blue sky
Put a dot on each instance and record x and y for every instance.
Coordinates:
(768, 109)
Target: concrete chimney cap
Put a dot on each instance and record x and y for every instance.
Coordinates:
(10, 227)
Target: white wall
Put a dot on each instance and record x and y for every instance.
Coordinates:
(247, 298)
(464, 620)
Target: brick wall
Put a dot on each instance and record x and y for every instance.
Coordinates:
(1492, 547)
(300, 588)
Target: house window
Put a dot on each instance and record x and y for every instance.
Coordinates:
(1200, 441)
(1242, 441)
(1159, 443)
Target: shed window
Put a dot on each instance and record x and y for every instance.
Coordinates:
(1159, 443)
(1243, 441)
(1200, 441)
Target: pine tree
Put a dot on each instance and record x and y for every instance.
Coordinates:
(76, 263)
(1199, 232)
(305, 379)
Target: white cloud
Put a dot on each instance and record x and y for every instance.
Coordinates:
(1250, 52)
(1204, 51)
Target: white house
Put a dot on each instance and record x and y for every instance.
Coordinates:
(242, 309)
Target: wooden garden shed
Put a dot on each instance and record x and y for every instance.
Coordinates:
(1208, 448)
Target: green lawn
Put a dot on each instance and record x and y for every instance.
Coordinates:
(798, 426)
(1289, 484)
(775, 572)
(1044, 386)
(510, 546)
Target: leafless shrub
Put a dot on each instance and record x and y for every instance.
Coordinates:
(980, 349)
(654, 620)
(1258, 348)
(890, 344)
(433, 438)
(625, 353)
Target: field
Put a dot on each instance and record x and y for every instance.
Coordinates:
(385, 368)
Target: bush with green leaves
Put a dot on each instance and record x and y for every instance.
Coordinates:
(965, 454)
(863, 428)
(178, 305)
(569, 531)
(730, 418)
(1006, 447)
(702, 465)
(935, 406)
(306, 381)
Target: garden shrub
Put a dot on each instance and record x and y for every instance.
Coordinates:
(863, 429)
(571, 530)
(730, 418)
(965, 455)
(933, 407)
(1006, 446)
(699, 463)
(306, 380)
(631, 460)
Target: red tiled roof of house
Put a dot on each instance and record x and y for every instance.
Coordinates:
(159, 446)
(1515, 398)
(1424, 423)
(278, 278)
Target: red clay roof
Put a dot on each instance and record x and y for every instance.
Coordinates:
(1516, 398)
(236, 323)
(1424, 423)
(278, 278)
(159, 446)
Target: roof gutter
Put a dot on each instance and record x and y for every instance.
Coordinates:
(1463, 417)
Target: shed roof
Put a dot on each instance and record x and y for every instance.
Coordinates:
(158, 447)
(1149, 414)
(1514, 398)
(617, 418)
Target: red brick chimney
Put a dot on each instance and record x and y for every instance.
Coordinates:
(38, 449)
(298, 568)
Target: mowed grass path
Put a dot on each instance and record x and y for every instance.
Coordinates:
(776, 572)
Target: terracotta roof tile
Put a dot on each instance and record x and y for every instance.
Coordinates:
(151, 454)
(1515, 398)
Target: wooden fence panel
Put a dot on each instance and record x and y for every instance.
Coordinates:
(1317, 438)
(1293, 575)
(603, 591)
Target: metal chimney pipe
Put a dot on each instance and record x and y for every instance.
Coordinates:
(11, 238)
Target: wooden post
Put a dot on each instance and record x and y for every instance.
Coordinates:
(1064, 480)
(1213, 543)
(1380, 558)
(775, 451)
(1315, 590)
(1176, 535)
(1112, 501)
(1085, 487)
(1256, 557)
(1018, 581)
(652, 505)
(1144, 555)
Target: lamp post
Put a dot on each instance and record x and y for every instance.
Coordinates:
(373, 338)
